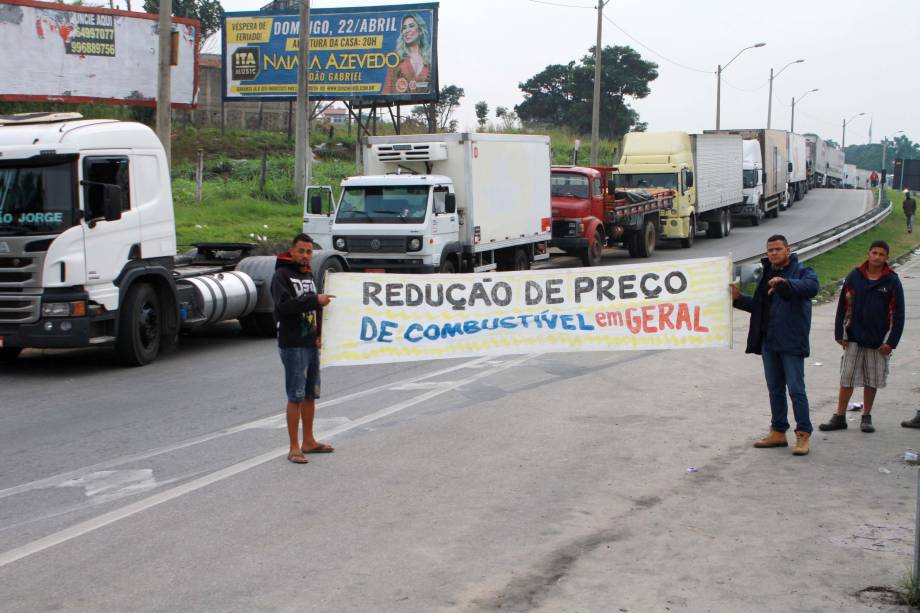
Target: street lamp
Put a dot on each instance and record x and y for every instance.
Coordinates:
(843, 138)
(719, 80)
(792, 123)
(772, 76)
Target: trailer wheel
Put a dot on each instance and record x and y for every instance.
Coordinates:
(139, 327)
(774, 213)
(686, 243)
(521, 261)
(8, 355)
(593, 253)
(645, 242)
(720, 229)
(259, 324)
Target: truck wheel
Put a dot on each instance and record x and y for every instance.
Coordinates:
(728, 222)
(774, 213)
(139, 327)
(686, 243)
(645, 242)
(592, 254)
(447, 267)
(332, 265)
(8, 355)
(521, 261)
(718, 229)
(259, 324)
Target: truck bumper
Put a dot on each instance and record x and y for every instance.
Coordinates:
(571, 243)
(407, 265)
(744, 210)
(58, 332)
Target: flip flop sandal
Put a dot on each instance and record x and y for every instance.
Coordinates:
(297, 459)
(321, 448)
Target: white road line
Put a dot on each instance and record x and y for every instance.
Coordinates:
(111, 517)
(264, 422)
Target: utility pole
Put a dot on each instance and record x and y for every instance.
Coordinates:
(770, 100)
(596, 107)
(302, 153)
(164, 91)
(718, 96)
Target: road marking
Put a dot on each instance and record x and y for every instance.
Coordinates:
(265, 422)
(111, 517)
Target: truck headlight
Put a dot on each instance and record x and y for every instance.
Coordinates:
(340, 243)
(573, 228)
(414, 244)
(64, 309)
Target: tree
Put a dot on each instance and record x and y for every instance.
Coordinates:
(562, 95)
(208, 12)
(448, 101)
(482, 113)
(507, 118)
(870, 156)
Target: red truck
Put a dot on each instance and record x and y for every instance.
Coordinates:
(590, 213)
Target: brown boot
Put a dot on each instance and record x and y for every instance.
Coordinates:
(773, 439)
(801, 443)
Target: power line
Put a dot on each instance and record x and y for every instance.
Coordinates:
(570, 6)
(743, 89)
(662, 56)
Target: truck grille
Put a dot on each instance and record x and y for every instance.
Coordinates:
(376, 244)
(19, 309)
(564, 227)
(21, 271)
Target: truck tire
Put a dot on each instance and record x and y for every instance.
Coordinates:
(139, 326)
(718, 229)
(8, 355)
(645, 242)
(332, 265)
(686, 243)
(447, 267)
(594, 252)
(521, 261)
(773, 213)
(259, 324)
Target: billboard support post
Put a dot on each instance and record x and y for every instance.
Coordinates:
(164, 107)
(302, 137)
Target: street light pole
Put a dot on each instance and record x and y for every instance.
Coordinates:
(792, 122)
(719, 81)
(843, 137)
(884, 173)
(770, 99)
(596, 106)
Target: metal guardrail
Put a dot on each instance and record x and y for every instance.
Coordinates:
(748, 269)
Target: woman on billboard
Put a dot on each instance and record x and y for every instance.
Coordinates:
(411, 75)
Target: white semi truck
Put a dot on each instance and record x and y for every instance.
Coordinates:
(753, 183)
(798, 167)
(440, 203)
(88, 245)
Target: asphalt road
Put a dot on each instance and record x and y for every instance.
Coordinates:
(457, 485)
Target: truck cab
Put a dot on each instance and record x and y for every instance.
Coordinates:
(752, 172)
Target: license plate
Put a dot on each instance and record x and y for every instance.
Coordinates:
(374, 270)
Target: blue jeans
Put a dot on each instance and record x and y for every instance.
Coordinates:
(783, 370)
(301, 373)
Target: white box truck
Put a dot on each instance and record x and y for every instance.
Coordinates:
(704, 170)
(753, 184)
(774, 153)
(798, 173)
(835, 167)
(443, 203)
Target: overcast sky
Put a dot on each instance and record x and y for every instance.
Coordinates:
(862, 55)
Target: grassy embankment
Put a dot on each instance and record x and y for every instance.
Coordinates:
(235, 207)
(834, 265)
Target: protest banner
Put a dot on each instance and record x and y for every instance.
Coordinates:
(378, 318)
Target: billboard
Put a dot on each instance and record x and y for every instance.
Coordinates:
(367, 54)
(63, 53)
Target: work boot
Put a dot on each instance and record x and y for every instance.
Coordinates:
(913, 422)
(837, 422)
(866, 424)
(801, 443)
(773, 439)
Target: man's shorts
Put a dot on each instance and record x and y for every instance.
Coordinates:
(863, 367)
(301, 372)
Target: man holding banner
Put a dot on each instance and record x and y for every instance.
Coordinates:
(780, 324)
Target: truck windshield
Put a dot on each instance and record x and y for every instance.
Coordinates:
(750, 178)
(568, 185)
(663, 180)
(37, 197)
(398, 204)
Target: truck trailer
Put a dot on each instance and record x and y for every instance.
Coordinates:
(443, 203)
(798, 173)
(703, 170)
(774, 150)
(835, 167)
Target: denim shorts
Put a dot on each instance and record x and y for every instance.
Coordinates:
(301, 372)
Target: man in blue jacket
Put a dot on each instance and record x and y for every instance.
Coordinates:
(780, 323)
(869, 323)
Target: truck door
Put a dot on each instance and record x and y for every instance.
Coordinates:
(318, 213)
(108, 244)
(445, 226)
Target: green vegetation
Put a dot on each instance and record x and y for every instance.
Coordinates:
(834, 265)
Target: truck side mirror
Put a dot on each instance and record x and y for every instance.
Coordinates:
(450, 203)
(112, 198)
(689, 181)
